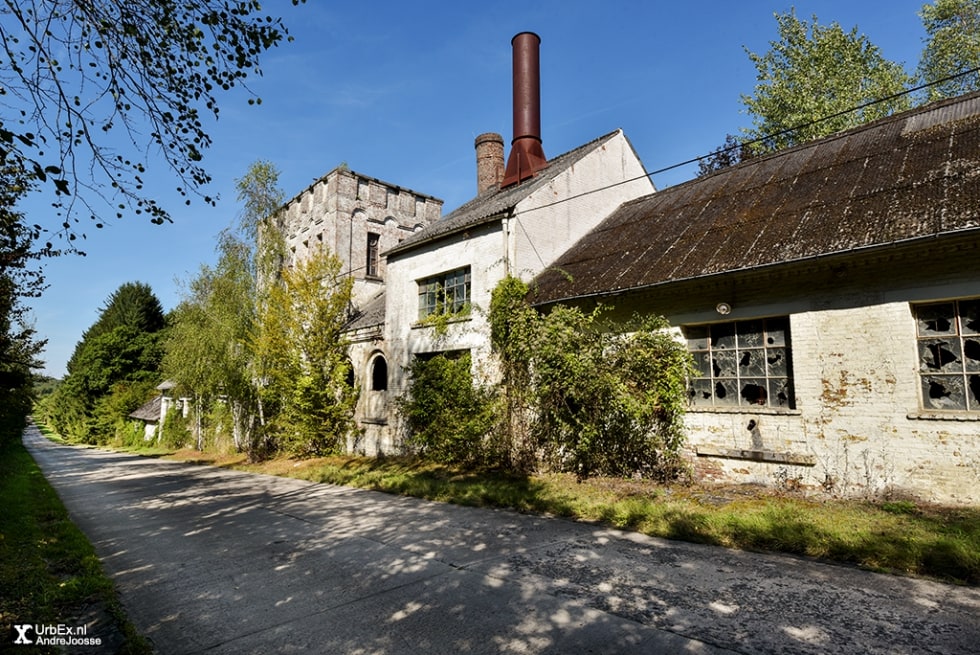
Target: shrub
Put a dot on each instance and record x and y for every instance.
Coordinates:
(448, 417)
(592, 396)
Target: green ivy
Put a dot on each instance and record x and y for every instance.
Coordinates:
(588, 395)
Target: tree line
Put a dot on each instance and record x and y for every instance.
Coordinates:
(816, 79)
(74, 78)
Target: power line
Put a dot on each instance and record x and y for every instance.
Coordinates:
(761, 139)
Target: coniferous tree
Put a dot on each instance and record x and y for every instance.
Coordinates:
(118, 356)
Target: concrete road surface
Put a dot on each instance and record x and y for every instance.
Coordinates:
(215, 561)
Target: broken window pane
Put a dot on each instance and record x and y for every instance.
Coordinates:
(943, 392)
(949, 354)
(939, 354)
(971, 354)
(936, 319)
(750, 334)
(752, 363)
(701, 392)
(776, 331)
(776, 362)
(754, 392)
(723, 364)
(744, 363)
(779, 393)
(970, 316)
(702, 363)
(697, 337)
(723, 336)
(726, 392)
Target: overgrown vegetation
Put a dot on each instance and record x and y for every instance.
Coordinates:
(892, 536)
(19, 278)
(49, 572)
(449, 417)
(577, 393)
(301, 341)
(113, 370)
(257, 341)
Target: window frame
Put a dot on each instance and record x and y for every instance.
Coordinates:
(736, 370)
(445, 294)
(947, 352)
(372, 267)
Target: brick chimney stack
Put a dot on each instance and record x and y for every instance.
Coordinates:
(489, 162)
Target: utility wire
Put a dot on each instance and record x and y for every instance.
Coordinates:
(761, 139)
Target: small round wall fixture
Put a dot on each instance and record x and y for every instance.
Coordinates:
(723, 308)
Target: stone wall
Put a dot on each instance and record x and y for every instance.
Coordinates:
(340, 209)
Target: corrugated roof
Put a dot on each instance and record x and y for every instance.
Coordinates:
(492, 205)
(905, 177)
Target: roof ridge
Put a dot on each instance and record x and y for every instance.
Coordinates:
(482, 208)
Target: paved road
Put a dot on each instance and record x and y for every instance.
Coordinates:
(214, 561)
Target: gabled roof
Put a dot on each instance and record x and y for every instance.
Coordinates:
(493, 205)
(908, 177)
(149, 411)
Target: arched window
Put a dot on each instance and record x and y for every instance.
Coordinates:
(351, 380)
(379, 374)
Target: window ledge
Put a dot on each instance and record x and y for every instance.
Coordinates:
(427, 323)
(951, 415)
(744, 409)
(757, 455)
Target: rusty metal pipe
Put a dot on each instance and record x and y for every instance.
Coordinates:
(526, 154)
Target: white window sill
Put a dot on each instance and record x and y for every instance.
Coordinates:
(429, 323)
(744, 409)
(948, 415)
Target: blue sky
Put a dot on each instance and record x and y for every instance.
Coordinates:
(399, 90)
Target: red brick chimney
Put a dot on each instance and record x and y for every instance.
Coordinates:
(526, 155)
(489, 162)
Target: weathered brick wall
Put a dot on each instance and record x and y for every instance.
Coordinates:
(857, 416)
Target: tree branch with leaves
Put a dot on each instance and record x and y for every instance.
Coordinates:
(78, 78)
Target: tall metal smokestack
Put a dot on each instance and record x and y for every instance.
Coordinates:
(526, 154)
